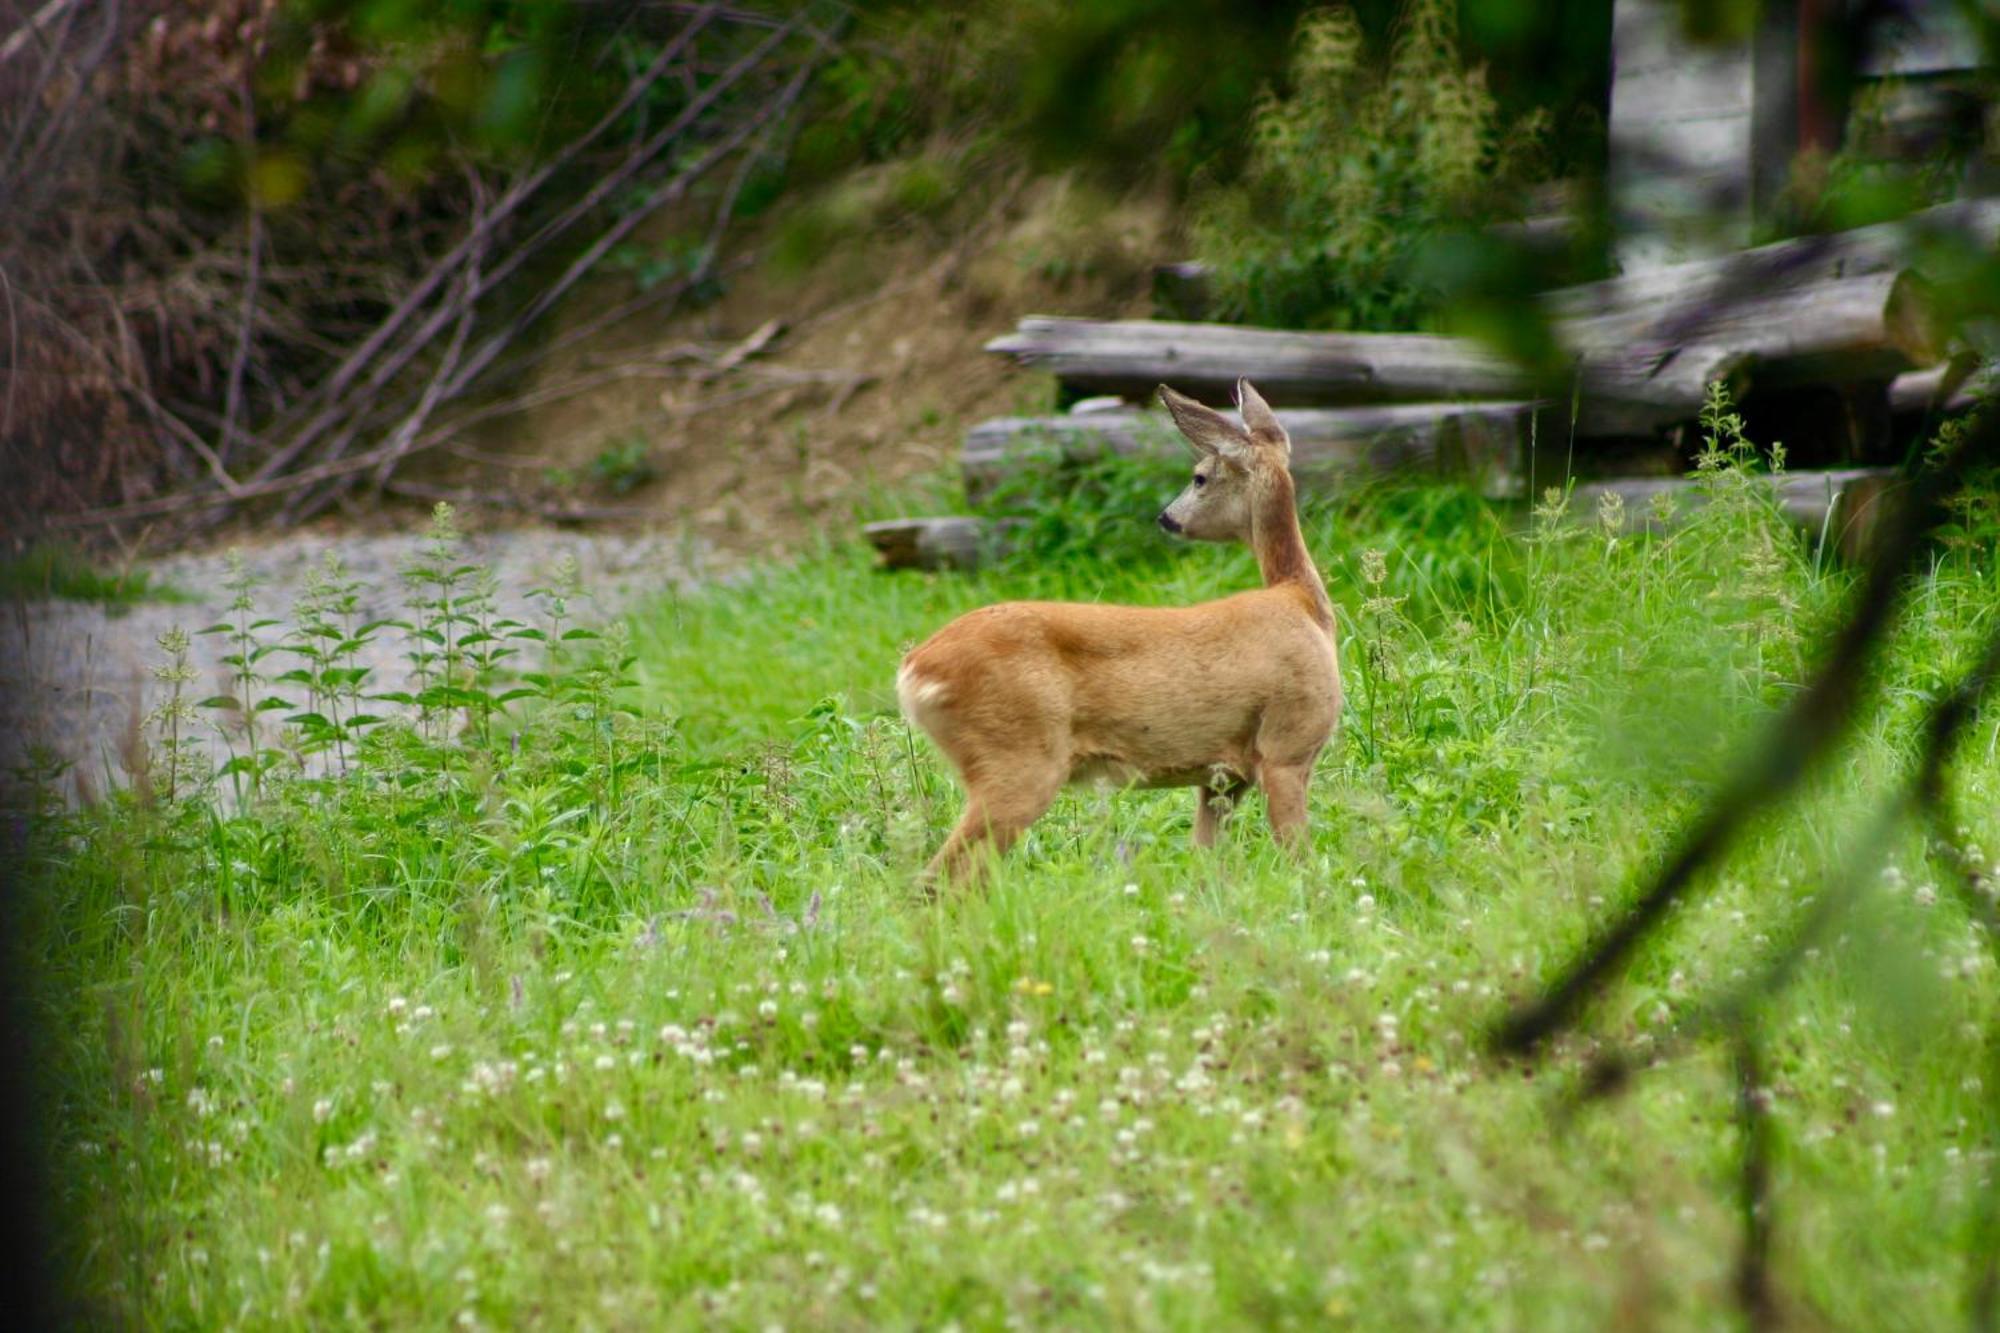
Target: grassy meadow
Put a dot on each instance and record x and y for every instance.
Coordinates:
(588, 987)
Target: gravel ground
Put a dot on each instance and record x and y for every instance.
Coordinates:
(75, 677)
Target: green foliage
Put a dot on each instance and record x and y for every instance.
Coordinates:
(623, 466)
(609, 998)
(1363, 163)
(56, 570)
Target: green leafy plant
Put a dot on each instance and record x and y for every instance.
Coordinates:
(55, 570)
(1362, 163)
(244, 658)
(623, 466)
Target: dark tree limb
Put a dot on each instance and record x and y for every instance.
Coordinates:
(1753, 1190)
(1817, 718)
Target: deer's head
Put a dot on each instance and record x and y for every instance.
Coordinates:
(1233, 464)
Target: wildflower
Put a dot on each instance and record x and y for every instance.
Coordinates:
(321, 1110)
(614, 1110)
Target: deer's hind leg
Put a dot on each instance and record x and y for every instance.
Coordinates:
(1002, 798)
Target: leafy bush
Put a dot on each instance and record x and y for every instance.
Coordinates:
(1355, 170)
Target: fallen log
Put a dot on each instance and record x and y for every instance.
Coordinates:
(1640, 371)
(1953, 386)
(1133, 357)
(1767, 269)
(950, 542)
(1484, 443)
(1845, 505)
(1873, 326)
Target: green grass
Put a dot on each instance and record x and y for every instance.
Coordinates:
(632, 1019)
(52, 570)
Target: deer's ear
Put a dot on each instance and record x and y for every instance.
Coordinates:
(1258, 418)
(1206, 429)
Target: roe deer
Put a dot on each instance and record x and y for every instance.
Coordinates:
(1023, 697)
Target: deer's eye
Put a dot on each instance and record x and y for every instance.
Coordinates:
(1200, 480)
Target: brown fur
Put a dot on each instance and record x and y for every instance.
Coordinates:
(1024, 697)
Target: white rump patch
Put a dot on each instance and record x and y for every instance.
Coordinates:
(916, 694)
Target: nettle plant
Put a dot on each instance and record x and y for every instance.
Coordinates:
(1361, 163)
(471, 690)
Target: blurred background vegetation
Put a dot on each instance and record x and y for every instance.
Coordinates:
(259, 251)
(213, 206)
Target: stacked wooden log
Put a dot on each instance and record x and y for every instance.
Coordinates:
(1854, 311)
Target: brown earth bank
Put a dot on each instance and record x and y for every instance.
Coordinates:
(810, 390)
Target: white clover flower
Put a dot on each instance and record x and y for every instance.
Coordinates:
(614, 1110)
(321, 1110)
(397, 1004)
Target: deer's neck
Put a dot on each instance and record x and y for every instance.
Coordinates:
(1281, 548)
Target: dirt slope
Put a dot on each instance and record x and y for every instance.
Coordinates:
(783, 406)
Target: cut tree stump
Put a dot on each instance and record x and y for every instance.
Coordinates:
(1484, 443)
(950, 542)
(1846, 504)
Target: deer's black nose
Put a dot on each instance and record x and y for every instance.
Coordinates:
(1169, 522)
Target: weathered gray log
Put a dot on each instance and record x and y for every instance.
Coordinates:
(1133, 357)
(1869, 326)
(949, 542)
(1845, 504)
(1884, 247)
(1644, 371)
(1949, 387)
(1641, 369)
(1483, 443)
